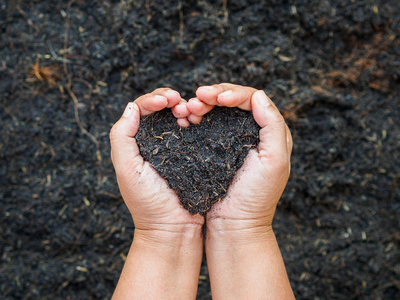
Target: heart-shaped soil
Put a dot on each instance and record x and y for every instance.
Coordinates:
(198, 162)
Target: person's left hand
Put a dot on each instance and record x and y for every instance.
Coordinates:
(252, 197)
(153, 205)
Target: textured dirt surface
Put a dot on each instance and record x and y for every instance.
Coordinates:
(198, 162)
(332, 67)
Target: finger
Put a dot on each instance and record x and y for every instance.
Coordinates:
(124, 149)
(180, 110)
(157, 100)
(149, 103)
(273, 144)
(238, 96)
(173, 97)
(194, 119)
(209, 94)
(198, 108)
(183, 122)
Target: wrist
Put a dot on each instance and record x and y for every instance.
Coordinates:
(171, 236)
(162, 264)
(235, 233)
(245, 262)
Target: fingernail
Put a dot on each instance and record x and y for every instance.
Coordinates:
(194, 100)
(207, 87)
(225, 94)
(262, 98)
(135, 106)
(128, 109)
(173, 93)
(160, 98)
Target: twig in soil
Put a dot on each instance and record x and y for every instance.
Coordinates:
(226, 15)
(67, 25)
(55, 56)
(65, 47)
(9, 112)
(71, 93)
(77, 119)
(30, 23)
(111, 195)
(181, 23)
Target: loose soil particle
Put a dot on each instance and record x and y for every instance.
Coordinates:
(198, 162)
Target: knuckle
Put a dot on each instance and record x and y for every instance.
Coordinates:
(277, 117)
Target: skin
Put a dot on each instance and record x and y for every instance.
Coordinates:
(244, 259)
(165, 257)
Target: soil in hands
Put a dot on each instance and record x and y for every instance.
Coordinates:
(198, 162)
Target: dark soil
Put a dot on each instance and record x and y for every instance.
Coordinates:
(198, 162)
(332, 67)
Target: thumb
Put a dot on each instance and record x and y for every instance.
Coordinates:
(125, 153)
(273, 137)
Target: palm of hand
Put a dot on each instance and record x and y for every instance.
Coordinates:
(256, 188)
(254, 191)
(156, 203)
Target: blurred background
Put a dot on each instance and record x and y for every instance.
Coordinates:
(68, 68)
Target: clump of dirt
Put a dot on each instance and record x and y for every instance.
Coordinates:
(198, 162)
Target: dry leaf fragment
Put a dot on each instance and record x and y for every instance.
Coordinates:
(41, 73)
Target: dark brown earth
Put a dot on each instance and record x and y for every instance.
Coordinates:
(198, 162)
(68, 69)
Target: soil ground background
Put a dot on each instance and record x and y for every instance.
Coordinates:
(67, 70)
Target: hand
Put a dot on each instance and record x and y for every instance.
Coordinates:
(255, 191)
(244, 260)
(153, 205)
(165, 257)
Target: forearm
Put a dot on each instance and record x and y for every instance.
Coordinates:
(162, 265)
(246, 264)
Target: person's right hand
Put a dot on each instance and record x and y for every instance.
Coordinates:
(258, 185)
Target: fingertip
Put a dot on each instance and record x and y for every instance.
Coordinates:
(135, 106)
(128, 110)
(183, 122)
(273, 136)
(136, 118)
(160, 100)
(236, 96)
(201, 93)
(173, 98)
(259, 103)
(193, 105)
(180, 111)
(207, 94)
(194, 119)
(226, 94)
(226, 98)
(205, 89)
(128, 125)
(198, 107)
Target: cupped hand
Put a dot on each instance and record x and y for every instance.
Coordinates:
(153, 205)
(258, 185)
